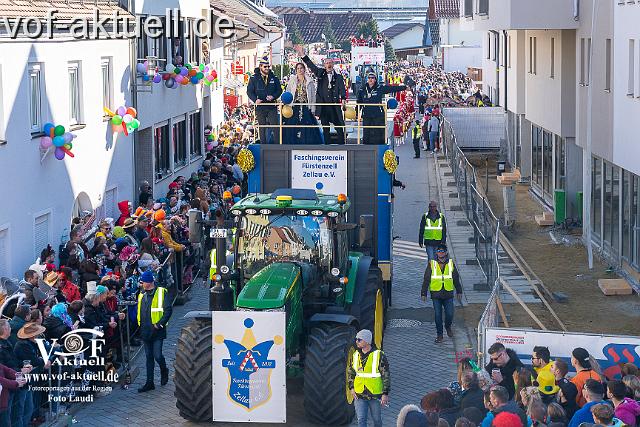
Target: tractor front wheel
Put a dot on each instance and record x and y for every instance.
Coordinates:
(326, 394)
(193, 372)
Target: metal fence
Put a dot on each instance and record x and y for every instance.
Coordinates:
(478, 128)
(486, 226)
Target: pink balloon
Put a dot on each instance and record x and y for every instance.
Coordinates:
(210, 77)
(179, 78)
(59, 153)
(45, 142)
(121, 111)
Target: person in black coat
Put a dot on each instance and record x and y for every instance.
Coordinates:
(331, 90)
(263, 90)
(373, 93)
(472, 394)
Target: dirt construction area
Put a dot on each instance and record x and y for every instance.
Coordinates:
(561, 264)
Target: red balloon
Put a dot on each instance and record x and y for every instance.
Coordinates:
(166, 76)
(192, 72)
(132, 111)
(214, 73)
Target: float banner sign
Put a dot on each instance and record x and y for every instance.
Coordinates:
(249, 378)
(323, 171)
(608, 350)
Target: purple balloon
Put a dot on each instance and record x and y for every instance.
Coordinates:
(121, 111)
(59, 153)
(68, 137)
(184, 71)
(140, 68)
(45, 142)
(157, 78)
(170, 83)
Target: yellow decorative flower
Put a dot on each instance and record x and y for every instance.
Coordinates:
(246, 160)
(390, 161)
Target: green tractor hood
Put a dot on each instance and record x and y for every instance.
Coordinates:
(268, 288)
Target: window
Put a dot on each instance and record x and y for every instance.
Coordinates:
(483, 7)
(535, 55)
(40, 233)
(632, 60)
(608, 65)
(596, 196)
(109, 203)
(611, 207)
(588, 62)
(35, 98)
(150, 46)
(560, 159)
(627, 205)
(177, 46)
(509, 51)
(194, 44)
(179, 133)
(547, 162)
(161, 145)
(496, 46)
(468, 8)
(536, 157)
(488, 45)
(196, 134)
(553, 58)
(107, 83)
(4, 253)
(530, 55)
(75, 116)
(582, 61)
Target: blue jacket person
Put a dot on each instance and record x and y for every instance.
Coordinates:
(263, 90)
(154, 311)
(373, 93)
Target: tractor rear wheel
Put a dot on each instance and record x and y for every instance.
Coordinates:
(326, 394)
(373, 308)
(193, 372)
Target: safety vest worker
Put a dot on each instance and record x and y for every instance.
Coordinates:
(154, 311)
(441, 279)
(368, 374)
(433, 230)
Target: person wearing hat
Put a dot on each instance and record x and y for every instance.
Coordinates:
(441, 278)
(140, 232)
(566, 397)
(263, 90)
(547, 386)
(331, 90)
(412, 416)
(368, 379)
(154, 311)
(129, 228)
(593, 392)
(433, 230)
(373, 93)
(580, 360)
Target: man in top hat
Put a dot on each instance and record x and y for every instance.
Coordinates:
(154, 311)
(263, 90)
(441, 278)
(331, 90)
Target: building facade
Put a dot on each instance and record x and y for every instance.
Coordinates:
(567, 74)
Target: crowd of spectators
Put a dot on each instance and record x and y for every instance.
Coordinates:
(508, 393)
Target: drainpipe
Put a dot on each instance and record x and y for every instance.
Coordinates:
(134, 99)
(576, 10)
(586, 159)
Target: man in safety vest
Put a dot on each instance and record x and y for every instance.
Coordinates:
(154, 311)
(416, 134)
(369, 379)
(433, 230)
(441, 278)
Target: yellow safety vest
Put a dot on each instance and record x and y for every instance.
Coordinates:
(417, 131)
(370, 376)
(432, 229)
(214, 269)
(442, 279)
(157, 305)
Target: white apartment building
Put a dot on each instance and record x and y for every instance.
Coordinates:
(66, 82)
(170, 141)
(567, 74)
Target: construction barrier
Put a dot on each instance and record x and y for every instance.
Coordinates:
(486, 226)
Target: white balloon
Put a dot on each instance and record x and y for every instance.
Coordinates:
(170, 68)
(127, 118)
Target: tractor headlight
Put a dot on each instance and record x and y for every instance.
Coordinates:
(224, 269)
(344, 280)
(335, 271)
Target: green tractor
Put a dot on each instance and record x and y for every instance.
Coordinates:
(291, 253)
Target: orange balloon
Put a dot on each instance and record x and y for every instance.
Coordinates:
(132, 112)
(192, 72)
(52, 132)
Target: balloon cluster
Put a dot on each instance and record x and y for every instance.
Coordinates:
(390, 161)
(124, 119)
(246, 160)
(287, 98)
(57, 136)
(175, 75)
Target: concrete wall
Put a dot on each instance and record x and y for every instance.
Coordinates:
(516, 64)
(466, 50)
(103, 161)
(459, 58)
(626, 105)
(602, 105)
(550, 101)
(525, 14)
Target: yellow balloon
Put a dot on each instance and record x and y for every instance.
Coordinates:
(287, 111)
(350, 113)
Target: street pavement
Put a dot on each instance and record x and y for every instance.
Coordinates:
(417, 364)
